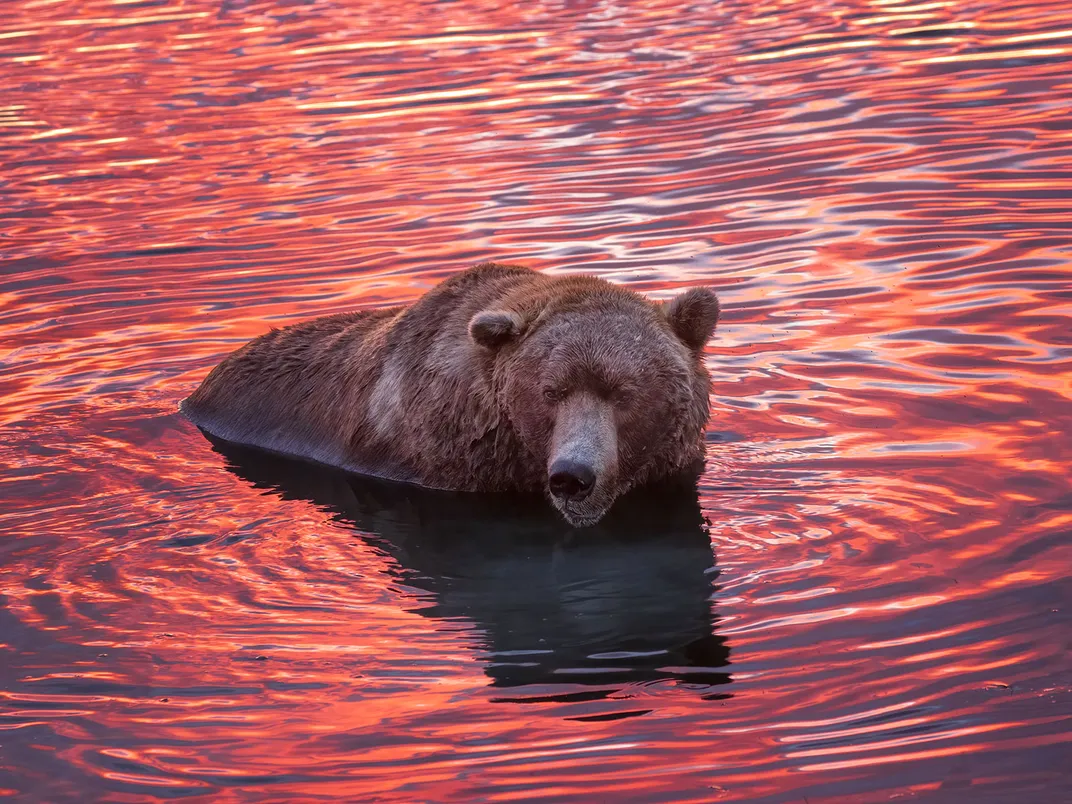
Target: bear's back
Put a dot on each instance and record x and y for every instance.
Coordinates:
(287, 390)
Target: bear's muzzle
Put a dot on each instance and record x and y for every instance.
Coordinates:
(584, 457)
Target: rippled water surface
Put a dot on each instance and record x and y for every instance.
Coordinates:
(870, 600)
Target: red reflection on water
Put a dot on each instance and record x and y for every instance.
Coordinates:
(881, 195)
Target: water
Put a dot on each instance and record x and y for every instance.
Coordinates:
(870, 600)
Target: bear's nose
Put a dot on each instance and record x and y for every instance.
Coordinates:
(570, 480)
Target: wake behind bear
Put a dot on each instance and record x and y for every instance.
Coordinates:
(498, 379)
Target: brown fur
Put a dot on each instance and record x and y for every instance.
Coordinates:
(477, 384)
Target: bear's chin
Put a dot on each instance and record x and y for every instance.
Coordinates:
(581, 521)
(581, 515)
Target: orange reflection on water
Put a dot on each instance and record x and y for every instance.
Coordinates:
(880, 194)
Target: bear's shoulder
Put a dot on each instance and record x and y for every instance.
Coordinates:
(484, 274)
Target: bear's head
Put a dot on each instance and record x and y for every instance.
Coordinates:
(605, 389)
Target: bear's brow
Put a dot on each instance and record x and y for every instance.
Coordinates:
(594, 375)
(603, 364)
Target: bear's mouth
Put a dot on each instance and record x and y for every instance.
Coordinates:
(581, 514)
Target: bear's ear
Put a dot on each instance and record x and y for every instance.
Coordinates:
(492, 328)
(693, 316)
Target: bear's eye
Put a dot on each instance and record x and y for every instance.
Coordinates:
(554, 394)
(620, 397)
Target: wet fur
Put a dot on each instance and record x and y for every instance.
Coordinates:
(407, 393)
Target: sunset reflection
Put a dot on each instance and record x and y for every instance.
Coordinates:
(864, 598)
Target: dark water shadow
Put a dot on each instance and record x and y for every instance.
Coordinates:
(624, 602)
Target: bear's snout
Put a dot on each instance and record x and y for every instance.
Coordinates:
(584, 457)
(571, 480)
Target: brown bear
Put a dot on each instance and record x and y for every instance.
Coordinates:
(500, 378)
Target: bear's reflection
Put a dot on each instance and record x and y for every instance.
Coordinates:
(625, 601)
